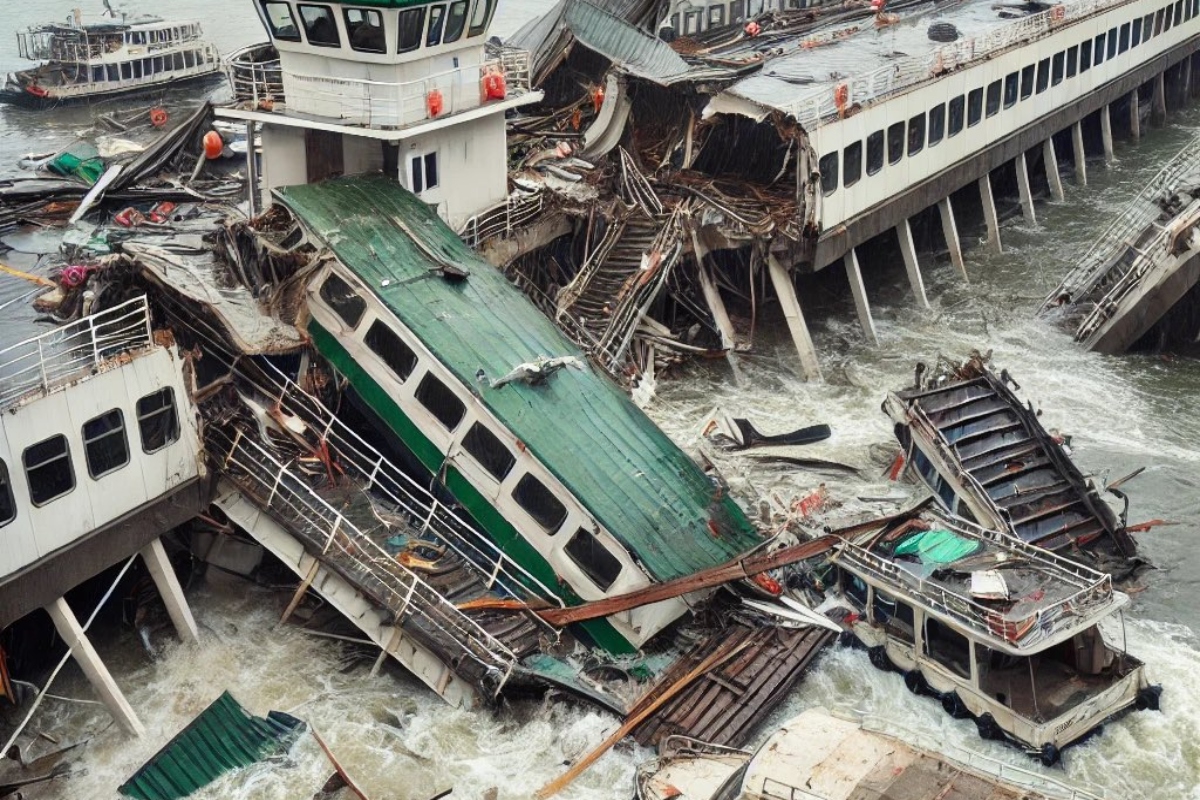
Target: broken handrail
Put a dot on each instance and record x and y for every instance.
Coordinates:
(410, 496)
(255, 82)
(515, 211)
(37, 365)
(1144, 260)
(323, 528)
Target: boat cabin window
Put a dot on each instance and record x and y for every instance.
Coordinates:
(937, 123)
(852, 164)
(1043, 75)
(319, 26)
(158, 423)
(1112, 43)
(1137, 32)
(974, 107)
(957, 112)
(440, 401)
(1072, 61)
(916, 134)
(874, 152)
(104, 443)
(343, 300)
(1098, 51)
(48, 470)
(8, 507)
(716, 16)
(479, 16)
(737, 11)
(1011, 85)
(601, 566)
(437, 19)
(456, 21)
(423, 172)
(1085, 55)
(895, 142)
(539, 503)
(828, 167)
(947, 647)
(1147, 27)
(1124, 38)
(364, 29)
(391, 349)
(855, 588)
(992, 106)
(895, 616)
(412, 25)
(1056, 69)
(486, 448)
(1027, 74)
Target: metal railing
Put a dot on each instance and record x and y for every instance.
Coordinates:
(820, 105)
(286, 496)
(79, 46)
(74, 352)
(255, 77)
(515, 211)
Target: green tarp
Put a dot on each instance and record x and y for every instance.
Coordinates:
(937, 547)
(224, 737)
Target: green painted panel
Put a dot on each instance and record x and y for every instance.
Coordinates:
(625, 471)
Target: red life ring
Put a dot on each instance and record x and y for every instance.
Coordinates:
(433, 102)
(158, 117)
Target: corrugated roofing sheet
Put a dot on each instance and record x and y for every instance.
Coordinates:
(224, 737)
(636, 482)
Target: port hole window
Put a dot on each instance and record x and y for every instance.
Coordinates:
(828, 167)
(440, 401)
(593, 558)
(343, 300)
(486, 448)
(852, 164)
(8, 507)
(437, 19)
(947, 647)
(104, 443)
(480, 16)
(937, 123)
(412, 25)
(874, 152)
(158, 423)
(893, 615)
(456, 21)
(540, 503)
(364, 29)
(916, 134)
(974, 107)
(383, 342)
(1011, 89)
(895, 142)
(319, 26)
(957, 113)
(48, 470)
(423, 172)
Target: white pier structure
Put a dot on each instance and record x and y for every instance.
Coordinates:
(99, 455)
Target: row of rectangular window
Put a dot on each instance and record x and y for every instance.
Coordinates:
(484, 446)
(689, 23)
(47, 464)
(365, 26)
(975, 105)
(144, 67)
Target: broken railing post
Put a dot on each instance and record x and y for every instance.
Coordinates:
(859, 290)
(785, 289)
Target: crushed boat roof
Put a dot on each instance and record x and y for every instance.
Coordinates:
(622, 467)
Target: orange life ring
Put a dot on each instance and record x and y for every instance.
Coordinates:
(434, 103)
(158, 117)
(1057, 13)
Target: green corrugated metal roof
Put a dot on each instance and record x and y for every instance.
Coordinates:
(222, 738)
(626, 472)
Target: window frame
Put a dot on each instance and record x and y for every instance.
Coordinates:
(1085, 55)
(875, 150)
(915, 142)
(7, 498)
(449, 34)
(416, 176)
(417, 14)
(1028, 77)
(477, 25)
(1098, 44)
(478, 434)
(529, 480)
(173, 434)
(935, 128)
(974, 107)
(961, 102)
(29, 478)
(300, 7)
(1058, 67)
(1012, 86)
(366, 12)
(604, 581)
(992, 98)
(896, 139)
(852, 155)
(1072, 61)
(361, 306)
(435, 23)
(275, 29)
(89, 441)
(829, 176)
(431, 389)
(380, 339)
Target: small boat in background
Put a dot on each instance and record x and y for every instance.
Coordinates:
(82, 61)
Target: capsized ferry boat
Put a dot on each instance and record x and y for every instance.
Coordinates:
(82, 61)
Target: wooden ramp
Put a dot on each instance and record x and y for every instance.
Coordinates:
(724, 706)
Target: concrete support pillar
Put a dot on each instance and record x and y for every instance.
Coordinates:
(1106, 133)
(989, 214)
(781, 279)
(1023, 189)
(859, 290)
(89, 661)
(1135, 121)
(1185, 81)
(1158, 105)
(909, 251)
(1050, 159)
(717, 306)
(1078, 152)
(1192, 88)
(950, 231)
(171, 592)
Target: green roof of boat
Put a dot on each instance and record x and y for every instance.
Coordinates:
(636, 482)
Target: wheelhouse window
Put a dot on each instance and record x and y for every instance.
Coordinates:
(456, 21)
(937, 123)
(423, 172)
(440, 401)
(479, 16)
(852, 164)
(895, 142)
(343, 300)
(486, 448)
(437, 19)
(974, 107)
(391, 349)
(158, 424)
(48, 470)
(364, 28)
(828, 167)
(1056, 69)
(412, 25)
(874, 152)
(8, 506)
(916, 134)
(539, 503)
(319, 26)
(993, 99)
(593, 558)
(957, 112)
(1011, 87)
(105, 445)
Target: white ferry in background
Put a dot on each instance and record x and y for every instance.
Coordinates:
(81, 61)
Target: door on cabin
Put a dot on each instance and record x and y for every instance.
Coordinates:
(323, 154)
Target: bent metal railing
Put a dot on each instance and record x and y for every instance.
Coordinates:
(74, 352)
(275, 488)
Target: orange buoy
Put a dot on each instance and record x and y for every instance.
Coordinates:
(433, 102)
(213, 145)
(158, 117)
(494, 85)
